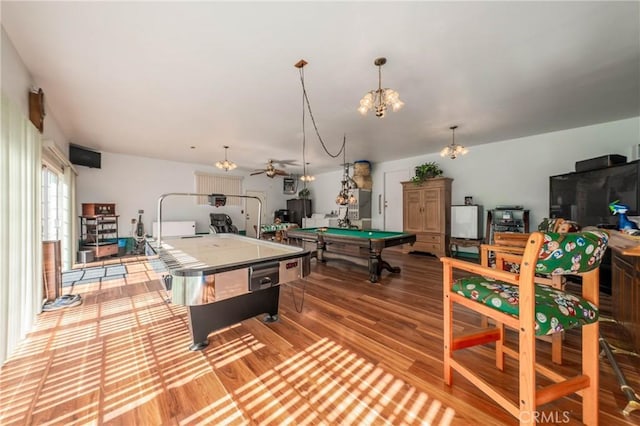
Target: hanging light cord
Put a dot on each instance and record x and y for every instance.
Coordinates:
(305, 98)
(304, 138)
(344, 157)
(293, 295)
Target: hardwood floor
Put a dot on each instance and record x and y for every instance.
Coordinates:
(356, 353)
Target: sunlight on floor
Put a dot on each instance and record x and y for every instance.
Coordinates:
(122, 357)
(327, 383)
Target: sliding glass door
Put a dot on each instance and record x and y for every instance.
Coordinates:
(57, 210)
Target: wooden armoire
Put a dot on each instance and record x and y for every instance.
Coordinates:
(426, 212)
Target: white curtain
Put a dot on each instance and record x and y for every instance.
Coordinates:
(68, 216)
(20, 234)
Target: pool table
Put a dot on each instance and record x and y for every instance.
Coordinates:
(358, 246)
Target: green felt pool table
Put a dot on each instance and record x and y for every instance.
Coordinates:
(362, 247)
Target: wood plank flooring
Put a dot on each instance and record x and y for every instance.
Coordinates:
(344, 351)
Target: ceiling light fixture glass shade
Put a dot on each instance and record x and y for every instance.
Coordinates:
(454, 150)
(226, 165)
(380, 99)
(306, 177)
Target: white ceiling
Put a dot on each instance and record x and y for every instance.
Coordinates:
(155, 78)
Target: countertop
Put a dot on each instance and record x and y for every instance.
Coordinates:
(624, 244)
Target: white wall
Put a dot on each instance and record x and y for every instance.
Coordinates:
(512, 172)
(16, 84)
(135, 183)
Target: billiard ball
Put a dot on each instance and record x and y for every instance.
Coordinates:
(370, 233)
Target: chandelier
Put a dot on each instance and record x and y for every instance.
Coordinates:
(453, 150)
(347, 184)
(382, 98)
(345, 196)
(226, 165)
(306, 177)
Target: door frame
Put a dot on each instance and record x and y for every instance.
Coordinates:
(249, 221)
(393, 190)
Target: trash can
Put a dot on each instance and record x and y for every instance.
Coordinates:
(122, 246)
(85, 256)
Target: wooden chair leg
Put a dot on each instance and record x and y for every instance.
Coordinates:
(484, 321)
(500, 347)
(556, 339)
(590, 359)
(590, 352)
(527, 346)
(556, 348)
(527, 394)
(448, 324)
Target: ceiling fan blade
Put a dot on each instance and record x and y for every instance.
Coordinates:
(281, 172)
(257, 173)
(285, 163)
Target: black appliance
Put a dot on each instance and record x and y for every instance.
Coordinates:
(585, 196)
(283, 215)
(299, 208)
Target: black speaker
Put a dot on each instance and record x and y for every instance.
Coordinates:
(84, 157)
(600, 162)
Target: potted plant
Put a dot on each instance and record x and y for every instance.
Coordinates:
(426, 171)
(304, 193)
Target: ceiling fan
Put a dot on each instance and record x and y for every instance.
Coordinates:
(270, 171)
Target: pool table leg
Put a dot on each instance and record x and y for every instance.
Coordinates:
(376, 264)
(321, 246)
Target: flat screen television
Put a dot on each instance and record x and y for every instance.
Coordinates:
(84, 156)
(585, 196)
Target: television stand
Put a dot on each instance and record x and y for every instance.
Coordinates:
(463, 242)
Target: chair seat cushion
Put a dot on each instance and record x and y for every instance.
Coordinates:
(556, 310)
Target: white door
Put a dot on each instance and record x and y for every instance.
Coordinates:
(251, 211)
(393, 199)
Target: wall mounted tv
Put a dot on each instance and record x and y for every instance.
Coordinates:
(84, 156)
(585, 196)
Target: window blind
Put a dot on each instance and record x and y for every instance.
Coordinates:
(217, 184)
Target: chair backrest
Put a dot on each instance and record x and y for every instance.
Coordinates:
(222, 223)
(571, 253)
(558, 225)
(510, 239)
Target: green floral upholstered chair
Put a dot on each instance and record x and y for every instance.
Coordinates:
(532, 309)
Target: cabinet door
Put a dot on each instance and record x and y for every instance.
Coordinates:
(432, 218)
(622, 274)
(412, 210)
(635, 306)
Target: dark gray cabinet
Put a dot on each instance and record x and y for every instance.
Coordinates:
(299, 208)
